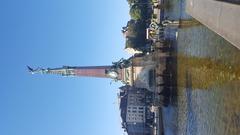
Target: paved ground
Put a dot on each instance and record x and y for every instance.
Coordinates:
(221, 17)
(206, 100)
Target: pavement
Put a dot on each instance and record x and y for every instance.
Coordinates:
(221, 17)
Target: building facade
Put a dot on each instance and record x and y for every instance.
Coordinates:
(135, 110)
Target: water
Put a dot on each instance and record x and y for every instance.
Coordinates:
(207, 99)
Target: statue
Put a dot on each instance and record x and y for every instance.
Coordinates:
(38, 70)
(122, 63)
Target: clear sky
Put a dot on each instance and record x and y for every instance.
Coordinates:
(52, 33)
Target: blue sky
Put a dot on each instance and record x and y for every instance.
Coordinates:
(52, 33)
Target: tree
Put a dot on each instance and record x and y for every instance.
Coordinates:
(131, 1)
(136, 12)
(132, 28)
(135, 43)
(135, 28)
(136, 35)
(130, 43)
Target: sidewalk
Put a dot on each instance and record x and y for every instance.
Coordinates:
(221, 17)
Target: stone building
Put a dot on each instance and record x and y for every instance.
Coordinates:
(135, 110)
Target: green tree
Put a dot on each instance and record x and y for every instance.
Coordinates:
(132, 1)
(132, 28)
(135, 43)
(132, 43)
(137, 28)
(136, 37)
(136, 12)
